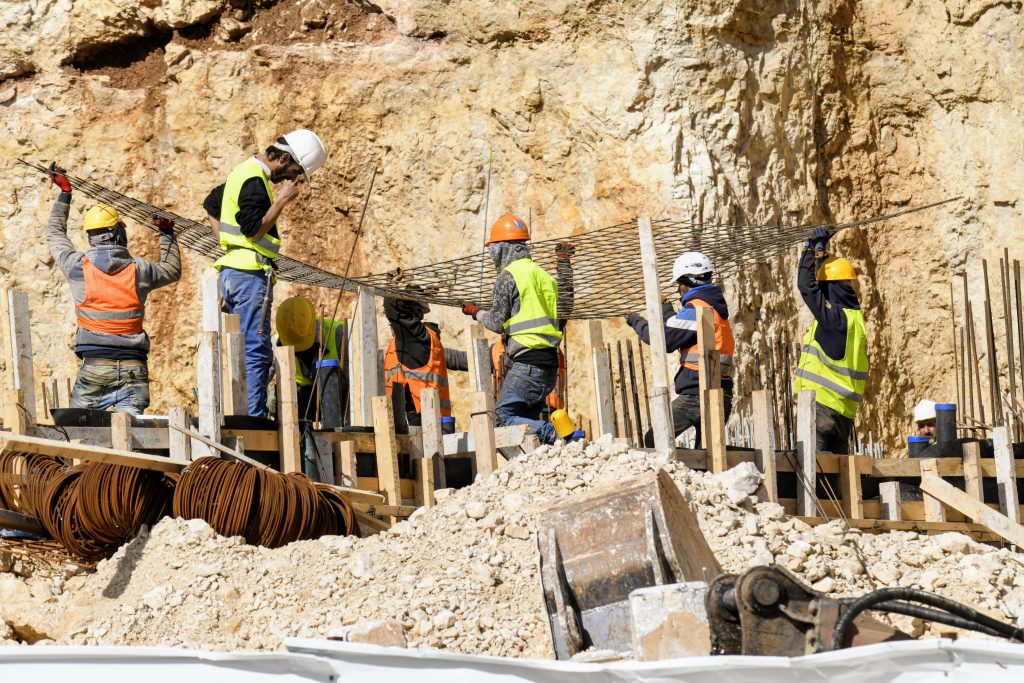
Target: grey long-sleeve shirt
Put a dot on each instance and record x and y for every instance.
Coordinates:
(111, 259)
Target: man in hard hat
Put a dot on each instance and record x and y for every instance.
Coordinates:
(247, 211)
(415, 359)
(319, 360)
(526, 302)
(924, 418)
(109, 287)
(834, 359)
(692, 272)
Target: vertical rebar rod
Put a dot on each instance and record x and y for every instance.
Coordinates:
(975, 361)
(647, 392)
(956, 366)
(638, 427)
(620, 429)
(627, 422)
(968, 407)
(993, 365)
(1020, 326)
(1004, 280)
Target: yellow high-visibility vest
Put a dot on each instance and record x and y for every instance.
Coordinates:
(838, 384)
(242, 252)
(535, 326)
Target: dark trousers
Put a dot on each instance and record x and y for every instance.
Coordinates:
(834, 430)
(686, 414)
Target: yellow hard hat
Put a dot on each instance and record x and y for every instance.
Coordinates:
(101, 216)
(296, 323)
(835, 268)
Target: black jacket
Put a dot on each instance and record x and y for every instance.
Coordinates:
(827, 302)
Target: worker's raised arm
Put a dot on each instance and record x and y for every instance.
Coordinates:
(61, 247)
(503, 298)
(680, 331)
(456, 360)
(403, 322)
(810, 291)
(168, 270)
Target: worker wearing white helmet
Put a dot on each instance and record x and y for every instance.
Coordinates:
(246, 210)
(692, 273)
(924, 418)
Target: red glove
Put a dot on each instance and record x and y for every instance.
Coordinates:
(470, 310)
(565, 250)
(58, 177)
(163, 223)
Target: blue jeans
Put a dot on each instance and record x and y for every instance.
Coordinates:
(243, 292)
(124, 386)
(522, 398)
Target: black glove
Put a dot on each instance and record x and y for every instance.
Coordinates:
(819, 238)
(58, 177)
(564, 250)
(163, 223)
(633, 318)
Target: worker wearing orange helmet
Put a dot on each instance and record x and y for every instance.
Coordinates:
(526, 305)
(834, 360)
(109, 287)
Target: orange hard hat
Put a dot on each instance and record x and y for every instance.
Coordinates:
(508, 228)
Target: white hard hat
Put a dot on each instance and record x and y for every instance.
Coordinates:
(306, 148)
(692, 263)
(924, 410)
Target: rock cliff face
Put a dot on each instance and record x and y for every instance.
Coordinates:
(595, 112)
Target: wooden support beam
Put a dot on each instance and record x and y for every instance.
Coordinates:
(345, 464)
(18, 354)
(935, 487)
(179, 445)
(972, 470)
(235, 386)
(806, 449)
(211, 415)
(849, 482)
(210, 292)
(709, 364)
(483, 433)
(387, 451)
(63, 449)
(714, 400)
(366, 384)
(661, 412)
(121, 431)
(432, 444)
(8, 342)
(15, 419)
(764, 441)
(1006, 477)
(604, 402)
(933, 510)
(889, 493)
(289, 435)
(479, 356)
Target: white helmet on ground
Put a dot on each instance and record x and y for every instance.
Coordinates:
(924, 410)
(694, 264)
(306, 148)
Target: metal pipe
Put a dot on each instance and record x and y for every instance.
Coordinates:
(19, 522)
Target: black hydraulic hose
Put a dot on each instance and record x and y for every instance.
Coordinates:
(938, 616)
(858, 605)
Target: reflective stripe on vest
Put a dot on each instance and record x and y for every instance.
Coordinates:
(837, 384)
(432, 375)
(332, 355)
(535, 326)
(725, 344)
(111, 303)
(242, 252)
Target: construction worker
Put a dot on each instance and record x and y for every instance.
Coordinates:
(526, 304)
(415, 359)
(692, 272)
(500, 364)
(247, 211)
(319, 352)
(924, 418)
(109, 287)
(834, 359)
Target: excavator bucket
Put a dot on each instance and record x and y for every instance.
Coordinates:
(596, 551)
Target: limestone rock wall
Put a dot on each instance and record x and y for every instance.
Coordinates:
(593, 113)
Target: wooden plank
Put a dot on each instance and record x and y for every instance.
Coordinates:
(935, 487)
(211, 416)
(384, 510)
(432, 444)
(709, 365)
(972, 470)
(849, 482)
(806, 447)
(366, 384)
(323, 457)
(479, 356)
(933, 510)
(604, 404)
(1006, 477)
(20, 338)
(8, 341)
(715, 401)
(220, 448)
(235, 385)
(884, 525)
(210, 292)
(889, 494)
(15, 418)
(345, 464)
(63, 449)
(368, 524)
(482, 423)
(764, 441)
(121, 431)
(289, 435)
(387, 451)
(661, 413)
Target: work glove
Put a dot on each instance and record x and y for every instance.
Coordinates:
(58, 177)
(470, 310)
(633, 318)
(564, 250)
(163, 223)
(819, 239)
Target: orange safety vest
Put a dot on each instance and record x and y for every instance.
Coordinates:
(432, 375)
(111, 302)
(554, 401)
(724, 343)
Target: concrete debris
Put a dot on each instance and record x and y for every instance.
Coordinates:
(463, 576)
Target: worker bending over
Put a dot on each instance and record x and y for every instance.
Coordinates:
(526, 304)
(692, 273)
(247, 212)
(320, 371)
(834, 359)
(415, 359)
(109, 287)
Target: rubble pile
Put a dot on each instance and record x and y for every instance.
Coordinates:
(463, 575)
